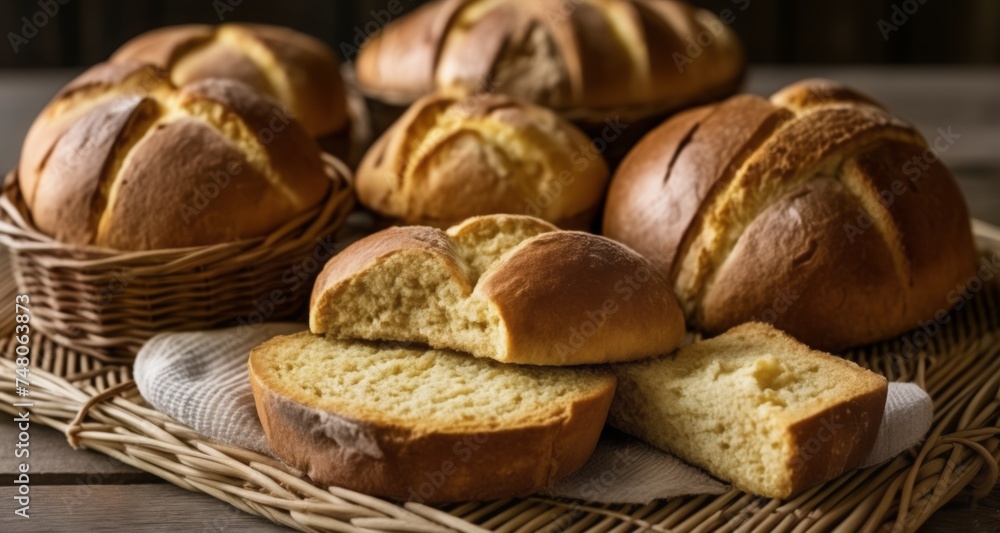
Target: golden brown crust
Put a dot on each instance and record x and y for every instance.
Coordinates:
(727, 198)
(122, 159)
(299, 71)
(563, 297)
(94, 85)
(797, 293)
(449, 158)
(433, 465)
(839, 451)
(401, 61)
(596, 55)
(596, 296)
(691, 148)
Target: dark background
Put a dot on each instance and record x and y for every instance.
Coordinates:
(84, 32)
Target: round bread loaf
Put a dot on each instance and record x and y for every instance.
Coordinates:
(123, 159)
(297, 70)
(511, 288)
(816, 211)
(449, 158)
(593, 54)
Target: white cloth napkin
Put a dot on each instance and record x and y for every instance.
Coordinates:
(200, 379)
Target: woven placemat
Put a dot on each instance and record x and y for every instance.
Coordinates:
(958, 363)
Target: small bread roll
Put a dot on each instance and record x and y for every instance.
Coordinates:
(451, 157)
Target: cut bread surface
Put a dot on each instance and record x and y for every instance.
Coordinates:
(506, 287)
(376, 418)
(441, 391)
(754, 407)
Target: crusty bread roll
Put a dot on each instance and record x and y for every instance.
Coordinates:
(754, 407)
(123, 159)
(566, 55)
(816, 211)
(297, 70)
(427, 425)
(449, 158)
(511, 288)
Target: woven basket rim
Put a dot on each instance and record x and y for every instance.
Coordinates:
(19, 234)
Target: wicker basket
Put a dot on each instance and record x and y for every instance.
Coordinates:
(106, 303)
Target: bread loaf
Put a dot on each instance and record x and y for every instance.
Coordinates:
(297, 70)
(816, 211)
(449, 158)
(755, 408)
(123, 159)
(426, 425)
(567, 55)
(511, 288)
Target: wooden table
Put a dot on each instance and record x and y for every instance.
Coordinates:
(86, 491)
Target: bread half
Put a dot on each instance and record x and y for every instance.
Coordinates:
(511, 288)
(424, 425)
(754, 407)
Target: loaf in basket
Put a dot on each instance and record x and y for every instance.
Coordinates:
(119, 157)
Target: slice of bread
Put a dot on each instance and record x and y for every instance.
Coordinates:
(421, 424)
(511, 288)
(754, 407)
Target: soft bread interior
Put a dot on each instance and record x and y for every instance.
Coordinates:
(740, 405)
(418, 296)
(376, 418)
(413, 297)
(481, 241)
(434, 390)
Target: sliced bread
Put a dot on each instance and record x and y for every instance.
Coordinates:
(422, 424)
(754, 407)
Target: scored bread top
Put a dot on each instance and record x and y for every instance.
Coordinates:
(378, 418)
(121, 158)
(587, 53)
(511, 288)
(297, 70)
(451, 157)
(816, 210)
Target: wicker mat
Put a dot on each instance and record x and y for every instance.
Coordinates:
(957, 362)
